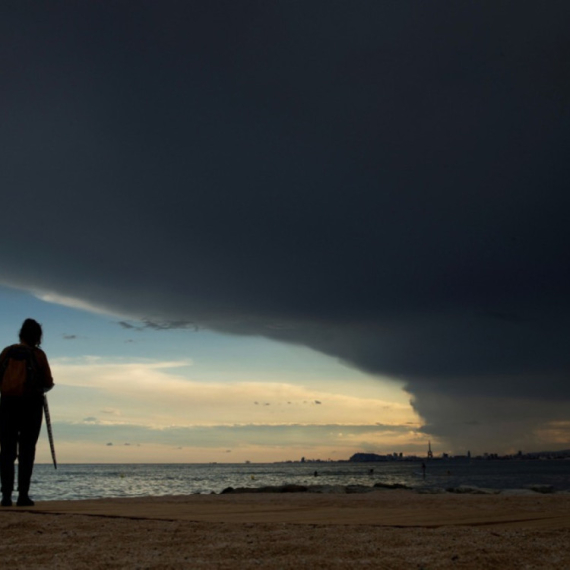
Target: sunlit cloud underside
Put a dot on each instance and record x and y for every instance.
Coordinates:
(159, 411)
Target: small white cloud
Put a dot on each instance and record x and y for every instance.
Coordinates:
(111, 411)
(73, 302)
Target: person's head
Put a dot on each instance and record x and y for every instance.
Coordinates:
(31, 332)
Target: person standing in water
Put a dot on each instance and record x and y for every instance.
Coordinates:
(25, 376)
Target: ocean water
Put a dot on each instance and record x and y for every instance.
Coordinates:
(86, 481)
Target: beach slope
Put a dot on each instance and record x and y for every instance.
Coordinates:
(381, 529)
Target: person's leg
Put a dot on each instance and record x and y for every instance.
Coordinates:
(30, 426)
(8, 446)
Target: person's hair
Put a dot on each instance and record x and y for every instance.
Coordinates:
(31, 332)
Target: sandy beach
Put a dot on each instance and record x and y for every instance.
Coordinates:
(381, 529)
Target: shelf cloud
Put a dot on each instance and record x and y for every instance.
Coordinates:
(386, 183)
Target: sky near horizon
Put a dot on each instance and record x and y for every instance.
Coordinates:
(262, 231)
(127, 392)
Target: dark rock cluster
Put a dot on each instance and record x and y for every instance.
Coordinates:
(336, 489)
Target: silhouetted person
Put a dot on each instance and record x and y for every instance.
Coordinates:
(424, 470)
(24, 377)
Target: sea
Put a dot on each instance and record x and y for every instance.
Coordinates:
(93, 481)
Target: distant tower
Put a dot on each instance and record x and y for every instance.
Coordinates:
(430, 452)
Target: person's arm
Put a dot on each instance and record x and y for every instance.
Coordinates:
(43, 363)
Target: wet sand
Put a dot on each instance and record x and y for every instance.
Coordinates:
(382, 529)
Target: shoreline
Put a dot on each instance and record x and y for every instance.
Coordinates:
(393, 508)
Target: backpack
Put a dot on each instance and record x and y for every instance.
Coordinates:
(19, 373)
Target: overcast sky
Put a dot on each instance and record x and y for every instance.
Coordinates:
(382, 183)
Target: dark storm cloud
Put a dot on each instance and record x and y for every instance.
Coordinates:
(384, 182)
